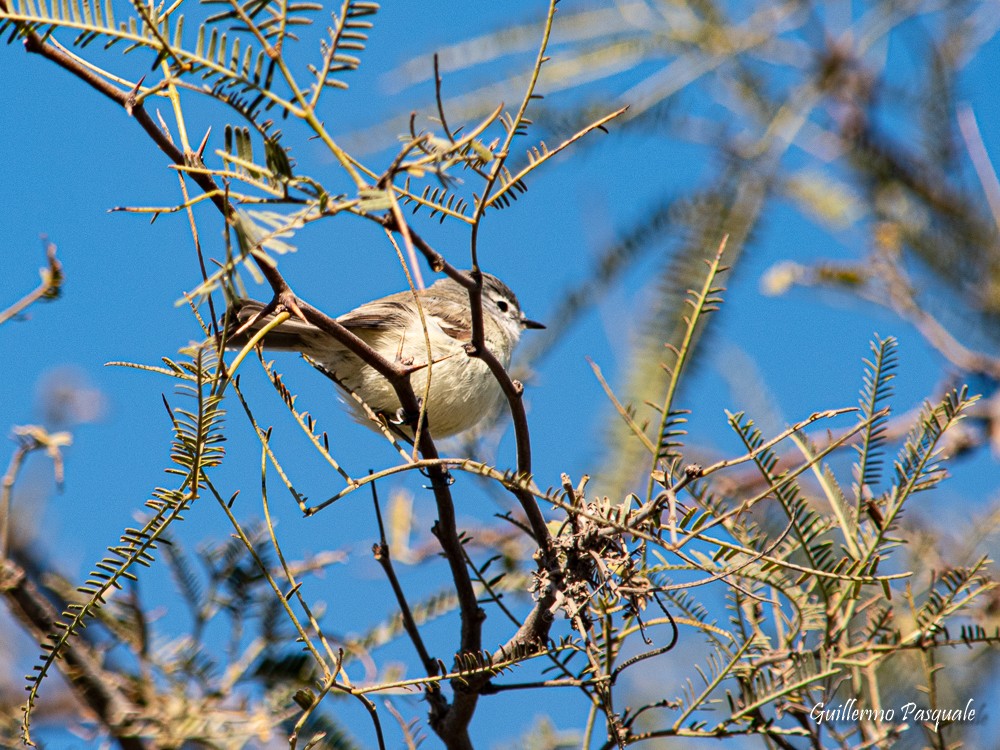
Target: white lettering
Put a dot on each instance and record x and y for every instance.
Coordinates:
(849, 711)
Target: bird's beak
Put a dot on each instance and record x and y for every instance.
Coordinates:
(532, 324)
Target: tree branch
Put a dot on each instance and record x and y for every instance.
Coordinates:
(96, 688)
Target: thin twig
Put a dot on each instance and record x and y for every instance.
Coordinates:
(30, 438)
(383, 557)
(100, 690)
(51, 279)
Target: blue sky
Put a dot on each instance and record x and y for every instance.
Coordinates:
(69, 156)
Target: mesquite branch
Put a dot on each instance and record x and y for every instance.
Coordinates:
(450, 722)
(98, 689)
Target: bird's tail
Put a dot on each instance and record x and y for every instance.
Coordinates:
(243, 321)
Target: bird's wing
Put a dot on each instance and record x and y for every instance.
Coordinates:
(288, 335)
(380, 315)
(395, 311)
(454, 320)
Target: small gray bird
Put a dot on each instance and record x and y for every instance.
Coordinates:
(463, 391)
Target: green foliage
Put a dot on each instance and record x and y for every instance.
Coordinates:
(196, 448)
(876, 391)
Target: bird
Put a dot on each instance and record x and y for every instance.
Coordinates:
(463, 390)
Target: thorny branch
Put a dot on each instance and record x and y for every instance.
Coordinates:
(451, 724)
(96, 687)
(383, 557)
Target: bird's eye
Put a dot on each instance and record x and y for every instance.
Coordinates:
(502, 304)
